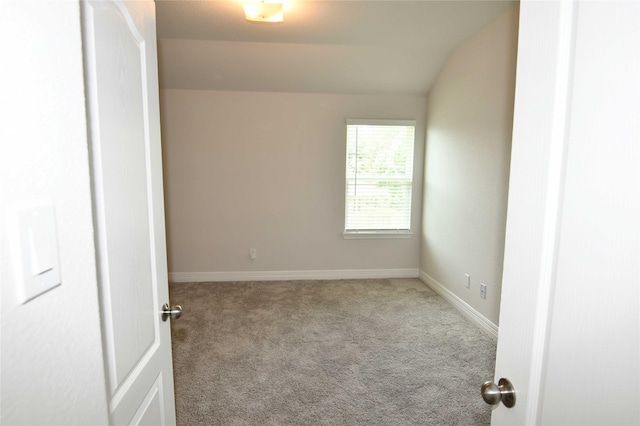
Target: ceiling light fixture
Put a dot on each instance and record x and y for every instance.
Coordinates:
(263, 11)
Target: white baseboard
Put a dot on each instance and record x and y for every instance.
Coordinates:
(182, 277)
(462, 306)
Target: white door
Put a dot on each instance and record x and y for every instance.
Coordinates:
(119, 40)
(569, 324)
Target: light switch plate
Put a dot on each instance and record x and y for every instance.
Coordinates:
(34, 244)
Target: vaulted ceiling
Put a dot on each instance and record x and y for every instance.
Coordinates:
(329, 46)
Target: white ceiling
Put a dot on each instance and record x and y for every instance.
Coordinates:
(329, 46)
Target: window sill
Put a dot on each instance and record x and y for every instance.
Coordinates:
(364, 235)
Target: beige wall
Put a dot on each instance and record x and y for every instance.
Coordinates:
(266, 171)
(52, 367)
(470, 117)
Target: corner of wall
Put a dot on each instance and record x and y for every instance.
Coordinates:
(467, 160)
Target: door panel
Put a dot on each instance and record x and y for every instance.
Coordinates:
(592, 373)
(536, 178)
(121, 81)
(120, 149)
(569, 322)
(150, 411)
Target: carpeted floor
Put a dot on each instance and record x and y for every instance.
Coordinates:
(345, 352)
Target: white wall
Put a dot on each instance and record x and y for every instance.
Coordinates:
(266, 171)
(51, 370)
(469, 124)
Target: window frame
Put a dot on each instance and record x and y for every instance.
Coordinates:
(378, 233)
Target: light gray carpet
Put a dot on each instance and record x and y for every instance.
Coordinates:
(346, 352)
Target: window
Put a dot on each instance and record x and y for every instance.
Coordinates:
(379, 178)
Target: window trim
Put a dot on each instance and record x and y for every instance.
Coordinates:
(355, 234)
(379, 122)
(371, 234)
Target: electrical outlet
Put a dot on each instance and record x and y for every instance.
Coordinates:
(467, 280)
(483, 291)
(252, 254)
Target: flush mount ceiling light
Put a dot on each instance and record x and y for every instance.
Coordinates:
(263, 11)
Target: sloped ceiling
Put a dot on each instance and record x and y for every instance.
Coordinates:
(347, 47)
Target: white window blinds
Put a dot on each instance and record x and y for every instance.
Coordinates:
(379, 175)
